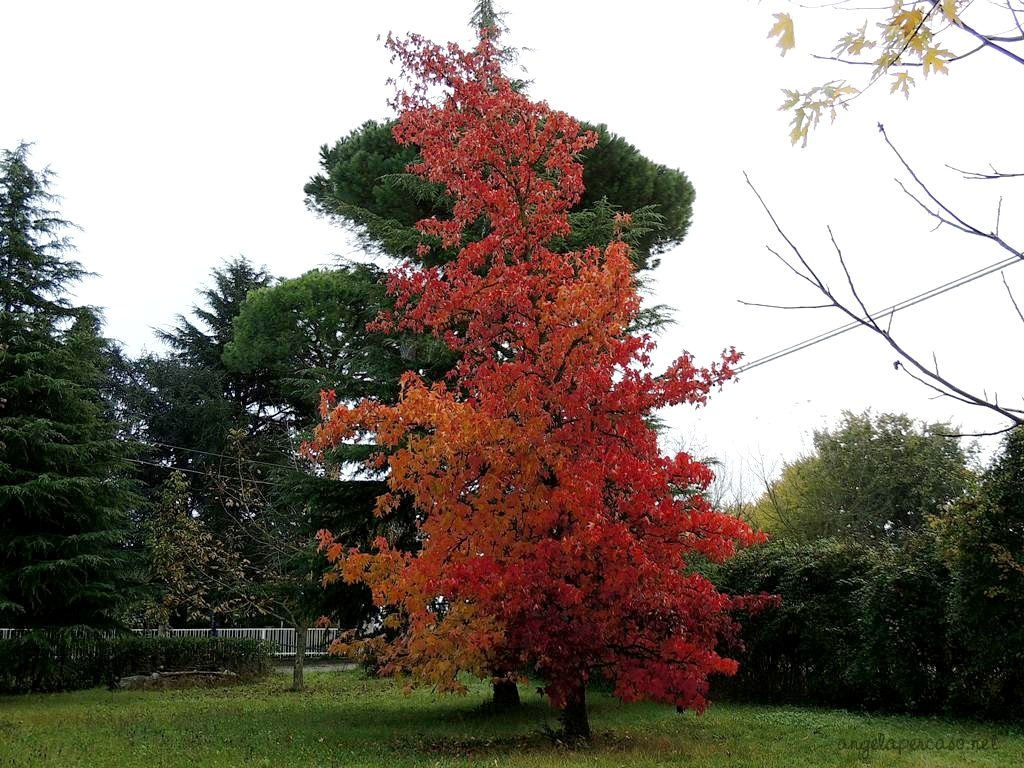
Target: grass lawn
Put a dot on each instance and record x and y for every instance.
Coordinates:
(344, 719)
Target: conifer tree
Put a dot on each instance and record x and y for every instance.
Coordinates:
(64, 495)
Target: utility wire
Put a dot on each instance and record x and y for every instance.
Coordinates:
(155, 444)
(905, 304)
(196, 471)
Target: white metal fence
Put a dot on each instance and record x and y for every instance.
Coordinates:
(318, 640)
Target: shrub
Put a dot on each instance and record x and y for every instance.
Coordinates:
(902, 657)
(800, 651)
(983, 542)
(934, 623)
(76, 658)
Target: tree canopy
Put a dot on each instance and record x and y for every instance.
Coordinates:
(309, 333)
(364, 183)
(870, 478)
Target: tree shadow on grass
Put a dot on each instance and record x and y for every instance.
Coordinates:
(372, 718)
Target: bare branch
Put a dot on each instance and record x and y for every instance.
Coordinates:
(963, 225)
(793, 269)
(849, 280)
(937, 389)
(1016, 20)
(978, 175)
(810, 277)
(1012, 299)
(994, 433)
(940, 219)
(860, 315)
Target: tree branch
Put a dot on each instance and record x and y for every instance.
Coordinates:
(959, 222)
(978, 175)
(988, 42)
(1012, 299)
(921, 373)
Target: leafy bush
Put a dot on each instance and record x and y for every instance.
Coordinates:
(983, 541)
(76, 658)
(800, 651)
(935, 624)
(902, 657)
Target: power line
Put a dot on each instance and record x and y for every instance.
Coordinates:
(905, 304)
(155, 444)
(196, 471)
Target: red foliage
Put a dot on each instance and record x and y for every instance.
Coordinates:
(554, 533)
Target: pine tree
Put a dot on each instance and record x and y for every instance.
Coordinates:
(365, 186)
(64, 495)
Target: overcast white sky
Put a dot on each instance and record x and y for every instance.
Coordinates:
(182, 133)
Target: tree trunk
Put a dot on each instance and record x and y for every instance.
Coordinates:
(300, 657)
(575, 725)
(506, 692)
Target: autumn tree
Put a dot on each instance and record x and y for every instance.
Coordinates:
(554, 534)
(364, 185)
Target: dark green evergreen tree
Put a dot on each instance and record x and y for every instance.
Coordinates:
(64, 494)
(183, 406)
(364, 186)
(310, 333)
(200, 344)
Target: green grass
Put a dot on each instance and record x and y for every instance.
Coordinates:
(344, 719)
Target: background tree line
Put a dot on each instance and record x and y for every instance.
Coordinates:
(901, 571)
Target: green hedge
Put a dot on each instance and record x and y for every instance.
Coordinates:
(800, 652)
(875, 628)
(77, 658)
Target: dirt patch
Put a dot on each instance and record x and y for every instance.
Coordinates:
(327, 666)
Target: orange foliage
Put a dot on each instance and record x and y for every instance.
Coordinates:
(554, 534)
